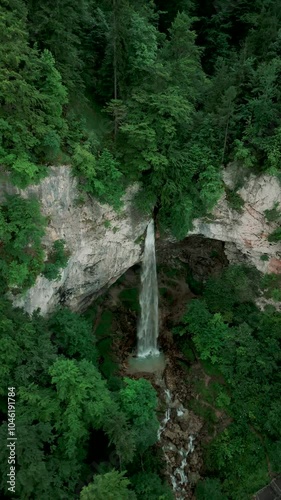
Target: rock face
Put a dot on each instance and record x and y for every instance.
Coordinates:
(102, 244)
(245, 234)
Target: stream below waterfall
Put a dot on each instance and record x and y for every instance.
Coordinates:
(181, 431)
(177, 458)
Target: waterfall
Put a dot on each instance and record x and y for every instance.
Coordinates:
(148, 324)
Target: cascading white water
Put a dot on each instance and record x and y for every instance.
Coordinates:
(148, 324)
(178, 476)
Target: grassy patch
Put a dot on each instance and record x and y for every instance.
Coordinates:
(139, 240)
(264, 257)
(107, 224)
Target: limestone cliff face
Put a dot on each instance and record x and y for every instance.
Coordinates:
(245, 234)
(103, 244)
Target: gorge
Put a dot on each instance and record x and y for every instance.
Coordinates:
(140, 249)
(91, 272)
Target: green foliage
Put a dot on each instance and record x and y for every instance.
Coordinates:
(236, 284)
(235, 201)
(101, 174)
(209, 488)
(82, 399)
(112, 485)
(57, 260)
(273, 214)
(155, 138)
(264, 257)
(26, 349)
(240, 457)
(58, 28)
(242, 343)
(168, 125)
(271, 285)
(148, 486)
(275, 236)
(176, 107)
(22, 227)
(62, 399)
(72, 334)
(138, 400)
(209, 335)
(32, 97)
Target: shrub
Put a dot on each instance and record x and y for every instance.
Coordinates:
(273, 214)
(57, 260)
(275, 236)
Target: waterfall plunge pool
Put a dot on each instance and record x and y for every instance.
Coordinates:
(149, 364)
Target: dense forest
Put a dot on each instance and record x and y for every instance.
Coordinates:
(132, 91)
(166, 94)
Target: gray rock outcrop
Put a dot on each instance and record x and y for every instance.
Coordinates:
(245, 233)
(102, 243)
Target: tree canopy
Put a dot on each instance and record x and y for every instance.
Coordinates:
(126, 91)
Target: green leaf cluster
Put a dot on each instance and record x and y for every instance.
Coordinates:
(21, 229)
(112, 485)
(57, 260)
(100, 173)
(32, 97)
(62, 401)
(241, 342)
(138, 400)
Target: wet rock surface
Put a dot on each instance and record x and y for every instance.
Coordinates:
(179, 434)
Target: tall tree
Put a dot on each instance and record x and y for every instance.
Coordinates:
(57, 25)
(31, 97)
(157, 137)
(112, 485)
(21, 228)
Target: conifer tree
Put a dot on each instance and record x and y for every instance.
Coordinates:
(31, 97)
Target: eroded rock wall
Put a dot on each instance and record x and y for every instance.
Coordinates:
(245, 234)
(103, 244)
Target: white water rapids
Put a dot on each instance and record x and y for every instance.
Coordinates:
(178, 475)
(148, 324)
